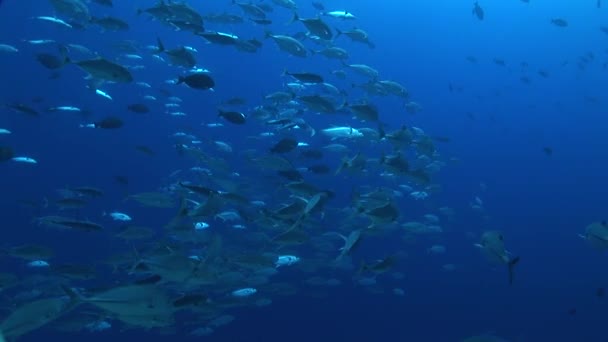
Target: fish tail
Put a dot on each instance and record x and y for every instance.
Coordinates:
(294, 18)
(362, 268)
(159, 44)
(75, 297)
(511, 265)
(180, 79)
(338, 32)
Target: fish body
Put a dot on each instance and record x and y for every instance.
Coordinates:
(340, 15)
(286, 260)
(316, 26)
(38, 264)
(199, 80)
(104, 70)
(244, 292)
(4, 131)
(559, 22)
(118, 216)
(54, 20)
(64, 109)
(236, 118)
(492, 243)
(201, 225)
(478, 11)
(289, 45)
(26, 160)
(8, 48)
(103, 94)
(342, 132)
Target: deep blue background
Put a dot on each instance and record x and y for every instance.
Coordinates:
(540, 203)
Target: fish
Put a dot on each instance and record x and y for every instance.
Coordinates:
(305, 77)
(288, 4)
(200, 81)
(36, 314)
(357, 35)
(220, 38)
(109, 122)
(285, 145)
(236, 118)
(54, 20)
(345, 15)
(179, 56)
(69, 223)
(492, 243)
(103, 70)
(342, 132)
(596, 234)
(118, 216)
(286, 260)
(478, 11)
(110, 23)
(38, 264)
(289, 44)
(244, 292)
(251, 9)
(559, 22)
(5, 48)
(139, 108)
(26, 160)
(316, 26)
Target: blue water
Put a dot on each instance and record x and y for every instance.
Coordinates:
(497, 125)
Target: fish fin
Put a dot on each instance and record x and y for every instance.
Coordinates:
(159, 44)
(75, 296)
(294, 18)
(512, 264)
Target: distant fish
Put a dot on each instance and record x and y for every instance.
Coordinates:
(478, 11)
(492, 243)
(236, 118)
(559, 22)
(118, 216)
(26, 160)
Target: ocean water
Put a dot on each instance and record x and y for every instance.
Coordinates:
(498, 118)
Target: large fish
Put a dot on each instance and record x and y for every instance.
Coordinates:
(103, 70)
(492, 243)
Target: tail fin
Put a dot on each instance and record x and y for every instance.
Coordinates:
(512, 264)
(295, 18)
(159, 43)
